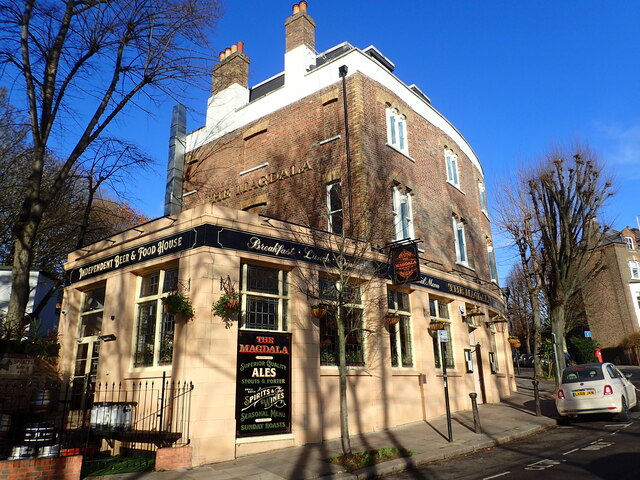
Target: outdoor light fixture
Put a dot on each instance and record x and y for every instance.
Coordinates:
(470, 314)
(107, 338)
(499, 322)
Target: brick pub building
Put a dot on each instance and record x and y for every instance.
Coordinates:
(260, 197)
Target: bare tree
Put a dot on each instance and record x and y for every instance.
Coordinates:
(515, 219)
(110, 54)
(567, 196)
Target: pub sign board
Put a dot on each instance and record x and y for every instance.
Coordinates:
(263, 383)
(406, 264)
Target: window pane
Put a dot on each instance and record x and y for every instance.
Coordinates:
(262, 313)
(461, 246)
(392, 121)
(260, 279)
(146, 334)
(329, 340)
(149, 284)
(405, 341)
(166, 339)
(170, 283)
(394, 346)
(94, 300)
(91, 324)
(401, 134)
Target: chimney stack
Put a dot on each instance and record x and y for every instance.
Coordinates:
(300, 28)
(233, 68)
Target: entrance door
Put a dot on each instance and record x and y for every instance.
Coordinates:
(85, 372)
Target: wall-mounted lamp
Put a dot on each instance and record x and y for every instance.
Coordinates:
(107, 338)
(471, 314)
(499, 322)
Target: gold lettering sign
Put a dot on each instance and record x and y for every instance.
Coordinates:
(260, 182)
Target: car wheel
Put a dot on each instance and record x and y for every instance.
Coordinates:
(624, 413)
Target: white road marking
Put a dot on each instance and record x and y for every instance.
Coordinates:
(571, 451)
(496, 476)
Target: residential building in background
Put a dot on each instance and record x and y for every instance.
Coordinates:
(612, 299)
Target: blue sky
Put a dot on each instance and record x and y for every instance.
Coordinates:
(514, 77)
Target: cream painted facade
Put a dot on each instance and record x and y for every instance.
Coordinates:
(205, 348)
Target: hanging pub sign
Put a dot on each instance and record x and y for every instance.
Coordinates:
(406, 264)
(263, 389)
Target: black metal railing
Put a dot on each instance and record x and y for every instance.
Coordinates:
(99, 421)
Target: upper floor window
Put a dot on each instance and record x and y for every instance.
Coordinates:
(400, 333)
(154, 326)
(334, 207)
(630, 244)
(460, 242)
(492, 263)
(346, 301)
(402, 214)
(91, 312)
(397, 130)
(451, 162)
(634, 267)
(483, 198)
(265, 298)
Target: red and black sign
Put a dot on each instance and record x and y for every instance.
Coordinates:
(263, 389)
(406, 264)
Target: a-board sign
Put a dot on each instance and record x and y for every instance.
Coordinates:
(263, 390)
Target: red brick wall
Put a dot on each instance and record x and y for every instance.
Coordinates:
(290, 137)
(172, 458)
(63, 468)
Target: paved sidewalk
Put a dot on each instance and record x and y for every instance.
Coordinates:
(504, 422)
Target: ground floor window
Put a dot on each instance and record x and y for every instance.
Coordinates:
(155, 327)
(400, 333)
(439, 312)
(265, 298)
(346, 302)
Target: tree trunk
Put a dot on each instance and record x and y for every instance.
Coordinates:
(558, 328)
(342, 368)
(20, 289)
(537, 336)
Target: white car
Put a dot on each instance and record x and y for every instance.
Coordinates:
(595, 388)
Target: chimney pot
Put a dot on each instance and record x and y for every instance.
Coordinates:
(241, 46)
(222, 55)
(234, 48)
(303, 6)
(296, 9)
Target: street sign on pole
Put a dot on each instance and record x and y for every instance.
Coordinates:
(587, 333)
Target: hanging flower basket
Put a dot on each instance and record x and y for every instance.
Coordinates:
(318, 310)
(515, 342)
(391, 318)
(232, 304)
(226, 305)
(178, 304)
(435, 325)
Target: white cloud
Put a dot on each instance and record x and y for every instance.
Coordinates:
(621, 149)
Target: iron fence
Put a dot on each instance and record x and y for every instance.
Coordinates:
(131, 419)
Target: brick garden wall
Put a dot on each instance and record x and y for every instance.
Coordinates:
(173, 458)
(63, 468)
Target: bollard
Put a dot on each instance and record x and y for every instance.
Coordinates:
(536, 395)
(476, 417)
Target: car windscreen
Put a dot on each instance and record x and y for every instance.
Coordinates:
(582, 374)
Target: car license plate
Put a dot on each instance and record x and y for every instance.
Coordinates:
(587, 392)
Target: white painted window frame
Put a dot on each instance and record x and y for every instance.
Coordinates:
(397, 135)
(482, 191)
(630, 243)
(462, 256)
(330, 212)
(451, 166)
(634, 269)
(399, 198)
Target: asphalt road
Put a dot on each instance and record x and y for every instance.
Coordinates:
(590, 448)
